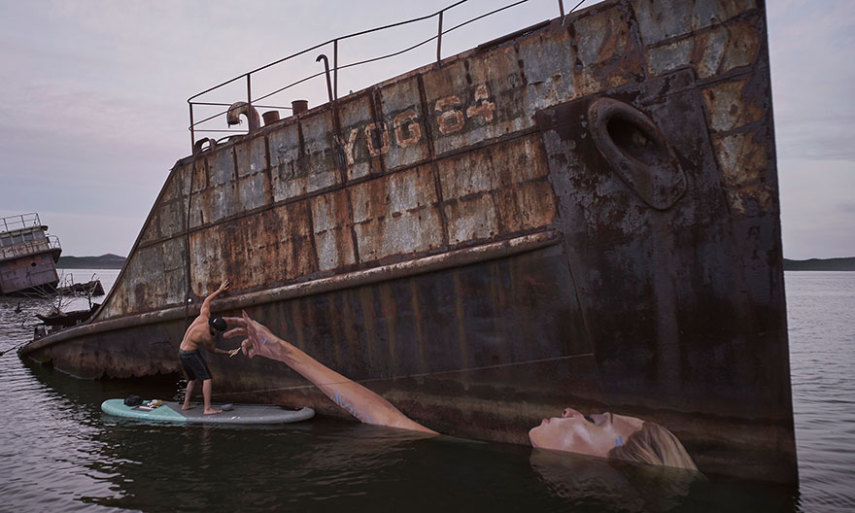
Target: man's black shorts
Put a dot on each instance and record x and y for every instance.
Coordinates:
(194, 365)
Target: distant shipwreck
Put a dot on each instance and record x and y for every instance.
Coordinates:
(584, 213)
(28, 255)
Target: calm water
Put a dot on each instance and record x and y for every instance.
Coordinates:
(59, 453)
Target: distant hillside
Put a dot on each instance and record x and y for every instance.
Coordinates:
(820, 264)
(108, 261)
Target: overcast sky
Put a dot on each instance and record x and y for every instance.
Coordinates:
(93, 110)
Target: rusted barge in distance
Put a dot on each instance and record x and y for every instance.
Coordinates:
(584, 213)
(28, 255)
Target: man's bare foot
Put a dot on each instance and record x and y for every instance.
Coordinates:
(187, 407)
(212, 411)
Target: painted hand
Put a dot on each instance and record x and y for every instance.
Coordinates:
(258, 341)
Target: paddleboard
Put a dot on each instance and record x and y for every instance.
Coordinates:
(171, 412)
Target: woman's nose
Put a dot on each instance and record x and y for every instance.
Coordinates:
(569, 412)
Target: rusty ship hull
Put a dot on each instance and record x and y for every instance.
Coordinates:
(584, 213)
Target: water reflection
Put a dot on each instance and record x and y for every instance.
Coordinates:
(611, 485)
(604, 485)
(235, 468)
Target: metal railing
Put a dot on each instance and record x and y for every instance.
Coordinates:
(331, 73)
(19, 222)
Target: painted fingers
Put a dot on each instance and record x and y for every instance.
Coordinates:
(257, 338)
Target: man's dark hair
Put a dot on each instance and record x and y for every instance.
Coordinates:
(218, 323)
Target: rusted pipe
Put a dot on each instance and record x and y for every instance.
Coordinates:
(270, 117)
(251, 113)
(197, 146)
(327, 72)
(299, 106)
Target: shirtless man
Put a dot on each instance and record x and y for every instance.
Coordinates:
(204, 330)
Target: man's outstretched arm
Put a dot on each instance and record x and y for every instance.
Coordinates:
(205, 310)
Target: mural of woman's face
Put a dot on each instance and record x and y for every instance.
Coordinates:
(594, 435)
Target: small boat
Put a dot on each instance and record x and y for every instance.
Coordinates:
(88, 289)
(67, 319)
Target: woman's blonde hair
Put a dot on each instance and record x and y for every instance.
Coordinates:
(655, 445)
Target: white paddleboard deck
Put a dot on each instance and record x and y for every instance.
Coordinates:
(239, 414)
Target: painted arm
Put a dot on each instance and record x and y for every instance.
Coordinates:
(354, 398)
(205, 310)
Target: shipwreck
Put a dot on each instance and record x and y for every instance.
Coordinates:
(28, 256)
(584, 212)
